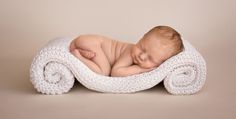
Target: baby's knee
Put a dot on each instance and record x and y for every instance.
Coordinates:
(106, 71)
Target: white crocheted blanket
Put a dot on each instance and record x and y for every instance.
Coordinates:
(54, 70)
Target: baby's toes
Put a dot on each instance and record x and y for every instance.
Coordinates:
(90, 54)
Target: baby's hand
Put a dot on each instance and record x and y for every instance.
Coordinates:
(146, 69)
(141, 70)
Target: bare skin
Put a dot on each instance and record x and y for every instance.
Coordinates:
(110, 57)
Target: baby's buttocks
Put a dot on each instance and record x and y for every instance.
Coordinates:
(107, 52)
(102, 46)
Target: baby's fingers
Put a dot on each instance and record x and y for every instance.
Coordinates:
(149, 69)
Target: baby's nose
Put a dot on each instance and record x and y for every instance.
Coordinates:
(143, 56)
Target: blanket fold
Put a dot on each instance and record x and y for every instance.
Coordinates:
(54, 69)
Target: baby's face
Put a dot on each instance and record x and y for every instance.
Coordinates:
(150, 52)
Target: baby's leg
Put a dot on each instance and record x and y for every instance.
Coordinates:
(98, 63)
(85, 53)
(101, 60)
(93, 66)
(76, 53)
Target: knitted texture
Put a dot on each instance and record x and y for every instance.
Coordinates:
(54, 69)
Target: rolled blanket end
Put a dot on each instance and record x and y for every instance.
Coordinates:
(54, 69)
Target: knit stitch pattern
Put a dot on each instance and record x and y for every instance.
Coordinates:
(54, 70)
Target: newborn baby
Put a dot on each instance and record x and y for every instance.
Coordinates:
(110, 57)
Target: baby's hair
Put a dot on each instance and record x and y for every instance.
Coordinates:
(168, 33)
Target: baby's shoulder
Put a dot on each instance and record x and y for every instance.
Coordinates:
(124, 58)
(125, 52)
(127, 47)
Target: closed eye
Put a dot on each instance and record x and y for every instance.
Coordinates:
(151, 59)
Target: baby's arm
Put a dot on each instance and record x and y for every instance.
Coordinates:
(125, 67)
(128, 70)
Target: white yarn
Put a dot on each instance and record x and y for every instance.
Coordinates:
(54, 69)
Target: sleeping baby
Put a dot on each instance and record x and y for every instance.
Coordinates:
(110, 57)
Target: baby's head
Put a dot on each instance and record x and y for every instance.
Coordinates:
(156, 46)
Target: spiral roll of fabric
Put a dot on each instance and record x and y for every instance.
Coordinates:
(54, 70)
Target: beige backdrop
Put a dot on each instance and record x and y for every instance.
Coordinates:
(27, 25)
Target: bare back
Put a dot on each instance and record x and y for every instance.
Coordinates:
(107, 50)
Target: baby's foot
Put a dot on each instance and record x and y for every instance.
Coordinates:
(87, 54)
(76, 53)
